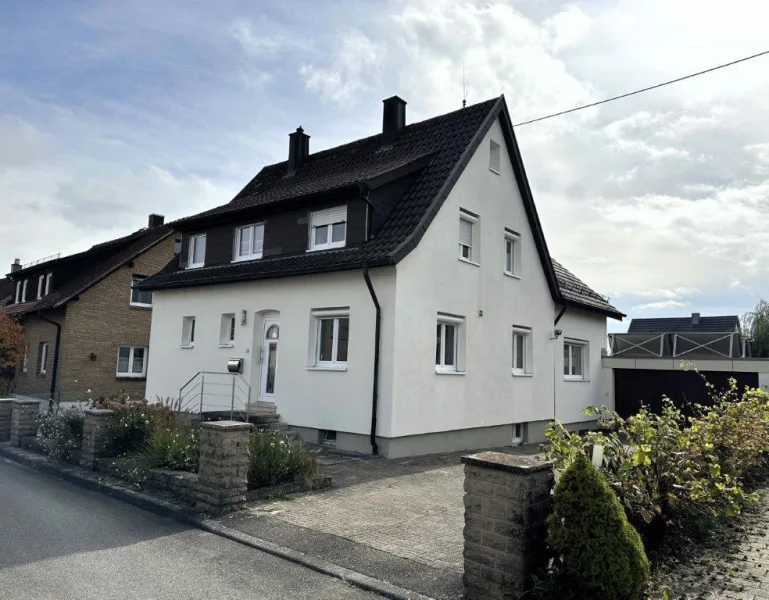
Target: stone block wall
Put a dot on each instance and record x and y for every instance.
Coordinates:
(223, 470)
(97, 430)
(507, 499)
(5, 419)
(24, 415)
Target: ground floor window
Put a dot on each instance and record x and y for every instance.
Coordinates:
(332, 333)
(523, 351)
(574, 359)
(448, 333)
(42, 357)
(132, 361)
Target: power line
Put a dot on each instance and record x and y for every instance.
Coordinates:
(646, 89)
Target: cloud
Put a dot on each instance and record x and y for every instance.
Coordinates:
(348, 71)
(662, 304)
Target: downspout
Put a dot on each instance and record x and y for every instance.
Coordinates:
(55, 371)
(558, 318)
(377, 332)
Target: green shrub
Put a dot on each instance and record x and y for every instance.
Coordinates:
(274, 459)
(598, 551)
(61, 432)
(135, 423)
(172, 446)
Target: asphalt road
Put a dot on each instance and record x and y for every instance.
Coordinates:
(58, 541)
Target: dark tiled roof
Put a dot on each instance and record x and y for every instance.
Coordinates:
(723, 324)
(122, 250)
(576, 292)
(6, 290)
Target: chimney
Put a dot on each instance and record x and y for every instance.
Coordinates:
(393, 119)
(155, 220)
(695, 318)
(16, 266)
(298, 149)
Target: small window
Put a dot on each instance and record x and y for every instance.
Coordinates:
(131, 361)
(328, 438)
(24, 291)
(48, 279)
(447, 335)
(469, 249)
(512, 253)
(197, 251)
(574, 359)
(25, 361)
(328, 228)
(227, 330)
(140, 297)
(518, 433)
(494, 157)
(522, 351)
(17, 297)
(42, 357)
(249, 241)
(332, 332)
(188, 332)
(40, 286)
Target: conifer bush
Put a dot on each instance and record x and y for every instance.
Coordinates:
(598, 553)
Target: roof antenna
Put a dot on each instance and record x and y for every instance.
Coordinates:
(464, 85)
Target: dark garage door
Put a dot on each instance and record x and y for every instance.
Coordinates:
(634, 388)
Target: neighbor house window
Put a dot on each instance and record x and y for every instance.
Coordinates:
(523, 356)
(42, 357)
(227, 330)
(494, 156)
(25, 362)
(574, 355)
(328, 228)
(188, 332)
(332, 337)
(447, 335)
(132, 361)
(24, 291)
(197, 251)
(48, 279)
(17, 297)
(468, 237)
(512, 253)
(249, 241)
(40, 286)
(140, 297)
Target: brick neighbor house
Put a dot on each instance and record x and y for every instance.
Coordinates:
(86, 327)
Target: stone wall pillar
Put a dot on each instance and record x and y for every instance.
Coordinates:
(97, 428)
(24, 415)
(5, 419)
(223, 470)
(507, 499)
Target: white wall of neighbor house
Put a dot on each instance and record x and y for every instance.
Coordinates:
(572, 394)
(334, 400)
(432, 279)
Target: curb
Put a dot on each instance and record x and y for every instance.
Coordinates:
(167, 509)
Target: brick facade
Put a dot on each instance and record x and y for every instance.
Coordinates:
(93, 328)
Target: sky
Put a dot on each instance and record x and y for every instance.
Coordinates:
(111, 110)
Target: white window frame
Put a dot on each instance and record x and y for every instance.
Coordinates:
(252, 253)
(40, 284)
(318, 316)
(25, 361)
(514, 239)
(328, 217)
(17, 296)
(227, 330)
(42, 358)
(48, 279)
(495, 157)
(131, 302)
(457, 322)
(188, 332)
(130, 374)
(475, 246)
(568, 363)
(528, 352)
(24, 290)
(191, 251)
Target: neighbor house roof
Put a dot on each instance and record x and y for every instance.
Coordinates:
(6, 290)
(436, 151)
(107, 258)
(692, 324)
(575, 292)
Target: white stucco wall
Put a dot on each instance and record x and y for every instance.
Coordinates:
(333, 400)
(431, 279)
(572, 396)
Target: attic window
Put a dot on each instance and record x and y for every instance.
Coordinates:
(197, 251)
(249, 241)
(494, 157)
(328, 228)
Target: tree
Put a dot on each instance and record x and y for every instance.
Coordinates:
(755, 324)
(12, 343)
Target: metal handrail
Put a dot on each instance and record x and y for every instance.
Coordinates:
(238, 383)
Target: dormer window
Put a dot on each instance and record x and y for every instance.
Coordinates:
(48, 279)
(40, 286)
(328, 228)
(249, 241)
(197, 251)
(17, 297)
(24, 291)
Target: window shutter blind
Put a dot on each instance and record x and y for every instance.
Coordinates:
(465, 232)
(328, 216)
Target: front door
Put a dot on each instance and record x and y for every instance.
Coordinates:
(269, 360)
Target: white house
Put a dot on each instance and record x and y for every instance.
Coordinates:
(393, 295)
